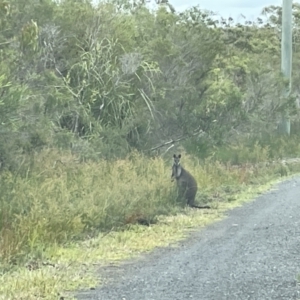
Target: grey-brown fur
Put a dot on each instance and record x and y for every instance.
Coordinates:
(187, 185)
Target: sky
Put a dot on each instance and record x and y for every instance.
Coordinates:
(251, 9)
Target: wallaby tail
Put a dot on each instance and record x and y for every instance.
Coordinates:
(200, 206)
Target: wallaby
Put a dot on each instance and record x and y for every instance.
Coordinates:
(186, 183)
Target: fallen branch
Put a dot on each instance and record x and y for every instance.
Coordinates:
(177, 140)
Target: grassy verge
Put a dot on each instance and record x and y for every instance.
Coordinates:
(62, 219)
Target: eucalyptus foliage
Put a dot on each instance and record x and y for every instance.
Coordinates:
(103, 79)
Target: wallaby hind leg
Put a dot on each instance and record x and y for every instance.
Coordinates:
(191, 202)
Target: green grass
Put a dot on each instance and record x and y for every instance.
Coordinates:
(62, 219)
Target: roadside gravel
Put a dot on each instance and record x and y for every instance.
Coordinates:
(254, 253)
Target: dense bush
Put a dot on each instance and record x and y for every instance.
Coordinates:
(102, 80)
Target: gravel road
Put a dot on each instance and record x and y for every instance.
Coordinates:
(254, 253)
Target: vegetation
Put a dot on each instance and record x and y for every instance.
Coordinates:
(94, 98)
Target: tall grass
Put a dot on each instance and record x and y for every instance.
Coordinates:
(58, 202)
(59, 199)
(254, 150)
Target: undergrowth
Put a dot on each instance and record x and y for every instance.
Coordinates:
(60, 200)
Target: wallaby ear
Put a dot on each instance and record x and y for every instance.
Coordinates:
(179, 156)
(174, 156)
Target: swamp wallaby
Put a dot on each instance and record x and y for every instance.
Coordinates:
(186, 183)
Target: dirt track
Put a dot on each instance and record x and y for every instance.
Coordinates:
(252, 254)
